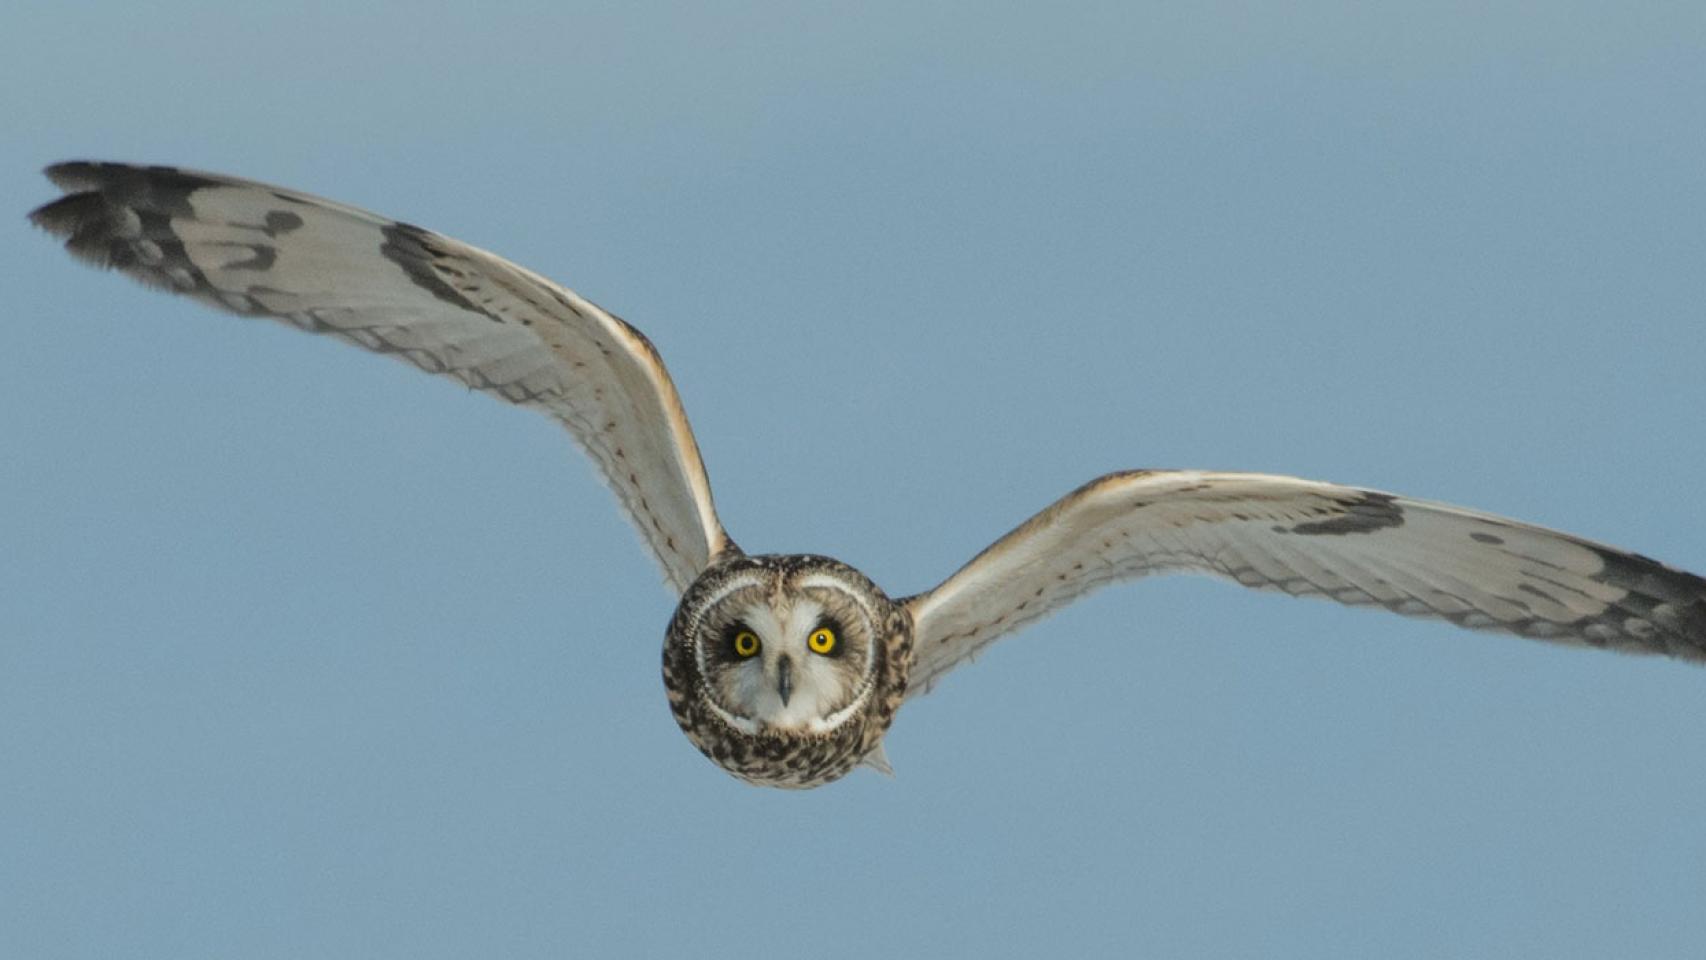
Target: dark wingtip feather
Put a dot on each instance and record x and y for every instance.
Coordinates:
(82, 216)
(159, 183)
(60, 217)
(69, 175)
(113, 214)
(86, 221)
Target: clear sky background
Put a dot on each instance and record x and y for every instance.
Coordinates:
(304, 654)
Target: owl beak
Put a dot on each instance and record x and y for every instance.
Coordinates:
(785, 679)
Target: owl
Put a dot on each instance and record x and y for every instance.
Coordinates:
(788, 670)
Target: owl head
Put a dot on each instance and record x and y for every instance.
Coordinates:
(786, 670)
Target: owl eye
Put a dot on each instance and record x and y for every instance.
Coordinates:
(746, 644)
(823, 640)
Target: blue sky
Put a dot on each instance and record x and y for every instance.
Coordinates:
(307, 655)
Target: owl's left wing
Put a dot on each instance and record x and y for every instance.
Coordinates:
(396, 289)
(1306, 538)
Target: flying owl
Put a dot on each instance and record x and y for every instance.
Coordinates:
(787, 670)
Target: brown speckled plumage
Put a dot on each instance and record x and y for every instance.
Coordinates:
(777, 758)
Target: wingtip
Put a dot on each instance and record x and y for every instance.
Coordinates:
(69, 175)
(61, 215)
(156, 184)
(65, 215)
(91, 228)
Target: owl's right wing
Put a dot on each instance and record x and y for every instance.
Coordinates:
(1306, 538)
(393, 288)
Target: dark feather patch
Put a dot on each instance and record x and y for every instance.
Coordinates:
(1367, 512)
(410, 247)
(166, 189)
(1672, 601)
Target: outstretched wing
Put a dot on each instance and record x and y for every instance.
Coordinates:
(1310, 539)
(397, 289)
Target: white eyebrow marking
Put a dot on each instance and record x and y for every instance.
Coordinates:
(740, 582)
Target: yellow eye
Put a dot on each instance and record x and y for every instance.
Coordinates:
(746, 643)
(822, 641)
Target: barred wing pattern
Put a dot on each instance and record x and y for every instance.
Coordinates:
(393, 288)
(1306, 538)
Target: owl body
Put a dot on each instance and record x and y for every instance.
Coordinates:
(786, 670)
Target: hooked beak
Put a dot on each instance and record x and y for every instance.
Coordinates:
(785, 679)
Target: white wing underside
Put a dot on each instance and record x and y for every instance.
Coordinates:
(1307, 538)
(393, 288)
